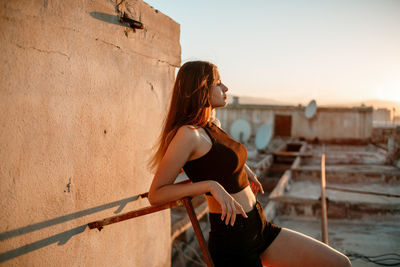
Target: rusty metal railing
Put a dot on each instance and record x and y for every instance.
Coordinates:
(324, 216)
(186, 201)
(361, 191)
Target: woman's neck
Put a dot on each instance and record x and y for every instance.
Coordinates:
(212, 117)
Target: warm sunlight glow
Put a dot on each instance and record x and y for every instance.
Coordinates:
(337, 52)
(389, 91)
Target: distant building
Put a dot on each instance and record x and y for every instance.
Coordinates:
(328, 124)
(381, 115)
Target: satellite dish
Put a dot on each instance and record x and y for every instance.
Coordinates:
(241, 130)
(263, 136)
(311, 109)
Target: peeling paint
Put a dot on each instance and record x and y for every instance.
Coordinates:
(151, 86)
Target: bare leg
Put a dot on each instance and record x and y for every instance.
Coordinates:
(291, 248)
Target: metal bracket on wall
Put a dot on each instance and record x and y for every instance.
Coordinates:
(134, 24)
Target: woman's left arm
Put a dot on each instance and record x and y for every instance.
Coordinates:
(255, 183)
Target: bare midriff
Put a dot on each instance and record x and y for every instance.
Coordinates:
(245, 198)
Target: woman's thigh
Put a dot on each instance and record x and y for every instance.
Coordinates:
(291, 248)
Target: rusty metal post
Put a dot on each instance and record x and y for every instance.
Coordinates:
(199, 234)
(324, 216)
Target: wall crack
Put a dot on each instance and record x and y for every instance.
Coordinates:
(44, 51)
(137, 53)
(97, 39)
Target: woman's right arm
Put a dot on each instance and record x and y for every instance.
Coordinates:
(164, 190)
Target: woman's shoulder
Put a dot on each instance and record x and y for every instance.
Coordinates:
(188, 127)
(187, 132)
(193, 130)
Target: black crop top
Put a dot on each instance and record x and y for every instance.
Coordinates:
(223, 163)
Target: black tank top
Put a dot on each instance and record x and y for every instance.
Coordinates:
(223, 163)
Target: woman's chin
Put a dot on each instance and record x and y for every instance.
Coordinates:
(220, 105)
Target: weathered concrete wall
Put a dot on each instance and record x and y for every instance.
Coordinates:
(327, 124)
(381, 115)
(256, 115)
(334, 123)
(82, 100)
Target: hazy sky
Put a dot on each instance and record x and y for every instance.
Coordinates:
(331, 51)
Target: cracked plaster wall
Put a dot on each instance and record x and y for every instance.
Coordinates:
(82, 100)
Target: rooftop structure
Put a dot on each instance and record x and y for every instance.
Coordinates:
(363, 186)
(363, 201)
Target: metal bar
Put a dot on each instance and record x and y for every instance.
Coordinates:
(182, 225)
(133, 214)
(136, 213)
(199, 234)
(361, 192)
(151, 209)
(324, 217)
(133, 23)
(292, 154)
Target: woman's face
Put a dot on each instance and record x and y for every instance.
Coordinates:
(218, 94)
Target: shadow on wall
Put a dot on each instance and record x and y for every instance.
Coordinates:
(61, 238)
(113, 19)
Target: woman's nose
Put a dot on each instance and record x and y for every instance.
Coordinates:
(225, 88)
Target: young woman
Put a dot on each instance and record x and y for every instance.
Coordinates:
(193, 141)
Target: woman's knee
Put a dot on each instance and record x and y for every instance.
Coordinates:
(337, 258)
(344, 261)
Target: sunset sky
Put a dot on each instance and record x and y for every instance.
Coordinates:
(295, 51)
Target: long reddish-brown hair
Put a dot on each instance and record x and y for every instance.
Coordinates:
(190, 103)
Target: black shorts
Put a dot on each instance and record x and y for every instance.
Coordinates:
(242, 243)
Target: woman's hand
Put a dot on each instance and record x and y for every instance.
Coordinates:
(229, 206)
(255, 184)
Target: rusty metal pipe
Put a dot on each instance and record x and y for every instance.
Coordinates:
(132, 214)
(199, 234)
(361, 191)
(324, 216)
(134, 24)
(136, 213)
(151, 209)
